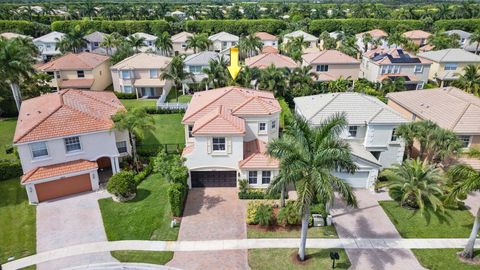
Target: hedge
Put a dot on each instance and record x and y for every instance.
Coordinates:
(236, 27)
(125, 28)
(121, 95)
(360, 25)
(469, 25)
(176, 195)
(258, 194)
(156, 110)
(24, 27)
(10, 169)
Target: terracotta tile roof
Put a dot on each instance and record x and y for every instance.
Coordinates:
(375, 33)
(58, 170)
(181, 37)
(426, 48)
(265, 60)
(76, 83)
(143, 61)
(219, 121)
(416, 34)
(67, 112)
(255, 157)
(72, 61)
(188, 149)
(269, 49)
(265, 36)
(329, 57)
(230, 97)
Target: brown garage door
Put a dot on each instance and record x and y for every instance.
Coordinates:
(214, 179)
(63, 187)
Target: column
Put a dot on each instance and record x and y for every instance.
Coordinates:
(114, 167)
(117, 164)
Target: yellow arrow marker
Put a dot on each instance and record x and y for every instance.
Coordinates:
(234, 67)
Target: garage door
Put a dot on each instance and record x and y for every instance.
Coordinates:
(63, 187)
(214, 179)
(356, 180)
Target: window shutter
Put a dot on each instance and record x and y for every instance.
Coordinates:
(209, 145)
(229, 145)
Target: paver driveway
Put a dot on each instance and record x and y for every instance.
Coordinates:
(70, 221)
(370, 221)
(212, 214)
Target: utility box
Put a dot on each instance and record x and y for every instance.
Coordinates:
(329, 220)
(318, 220)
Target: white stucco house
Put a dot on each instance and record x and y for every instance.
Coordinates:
(223, 41)
(370, 132)
(148, 43)
(196, 63)
(67, 143)
(226, 131)
(47, 44)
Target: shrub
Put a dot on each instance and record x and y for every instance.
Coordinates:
(252, 212)
(125, 27)
(24, 27)
(236, 27)
(243, 185)
(125, 95)
(289, 214)
(357, 25)
(257, 194)
(155, 110)
(171, 167)
(10, 169)
(318, 208)
(177, 193)
(139, 177)
(122, 184)
(264, 215)
(469, 25)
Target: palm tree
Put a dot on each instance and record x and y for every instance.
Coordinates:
(109, 41)
(136, 42)
(250, 45)
(408, 133)
(439, 40)
(415, 184)
(468, 180)
(73, 41)
(176, 73)
(217, 74)
(273, 79)
(328, 42)
(469, 80)
(198, 42)
(444, 143)
(234, 13)
(339, 85)
(164, 44)
(475, 37)
(136, 122)
(248, 75)
(294, 48)
(393, 85)
(366, 39)
(349, 46)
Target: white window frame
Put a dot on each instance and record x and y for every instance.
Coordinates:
(260, 130)
(418, 69)
(32, 150)
(394, 136)
(120, 146)
(129, 87)
(219, 144)
(251, 176)
(450, 66)
(463, 138)
(352, 129)
(265, 177)
(70, 141)
(155, 75)
(123, 72)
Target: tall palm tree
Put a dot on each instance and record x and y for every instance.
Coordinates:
(248, 75)
(468, 180)
(176, 73)
(217, 74)
(469, 80)
(198, 42)
(73, 41)
(250, 45)
(294, 48)
(164, 44)
(393, 85)
(444, 143)
(366, 39)
(309, 155)
(349, 46)
(136, 42)
(408, 132)
(475, 37)
(108, 42)
(439, 40)
(273, 79)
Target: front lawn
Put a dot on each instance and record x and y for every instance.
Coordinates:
(410, 224)
(17, 221)
(7, 129)
(273, 259)
(147, 217)
(138, 256)
(171, 98)
(138, 103)
(169, 130)
(443, 259)
(313, 232)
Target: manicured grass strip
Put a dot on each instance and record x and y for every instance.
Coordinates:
(443, 259)
(17, 221)
(135, 256)
(136, 103)
(274, 259)
(7, 129)
(313, 232)
(147, 217)
(286, 113)
(169, 130)
(181, 98)
(411, 224)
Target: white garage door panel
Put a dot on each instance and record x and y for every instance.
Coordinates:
(356, 180)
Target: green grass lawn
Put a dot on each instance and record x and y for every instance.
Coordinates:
(17, 221)
(410, 224)
(147, 217)
(7, 129)
(169, 130)
(443, 259)
(136, 103)
(181, 98)
(313, 232)
(273, 259)
(152, 257)
(286, 113)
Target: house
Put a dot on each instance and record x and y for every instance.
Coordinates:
(223, 41)
(140, 74)
(377, 34)
(331, 65)
(449, 107)
(265, 60)
(269, 49)
(10, 35)
(419, 37)
(448, 64)
(370, 131)
(84, 70)
(178, 14)
(179, 43)
(47, 44)
(462, 35)
(67, 143)
(196, 63)
(149, 42)
(311, 40)
(380, 64)
(267, 39)
(226, 131)
(94, 41)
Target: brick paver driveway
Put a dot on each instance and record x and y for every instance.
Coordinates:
(370, 221)
(212, 214)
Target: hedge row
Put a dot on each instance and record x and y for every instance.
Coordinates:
(126, 27)
(177, 193)
(360, 25)
(469, 25)
(257, 194)
(236, 27)
(24, 27)
(10, 169)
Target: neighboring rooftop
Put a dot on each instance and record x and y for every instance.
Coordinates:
(255, 157)
(451, 55)
(72, 61)
(417, 34)
(51, 37)
(375, 33)
(461, 33)
(265, 36)
(394, 56)
(59, 170)
(269, 49)
(223, 36)
(143, 61)
(10, 35)
(329, 57)
(265, 60)
(145, 35)
(95, 37)
(202, 58)
(299, 33)
(449, 107)
(181, 37)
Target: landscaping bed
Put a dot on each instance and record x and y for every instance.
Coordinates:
(443, 259)
(135, 256)
(256, 231)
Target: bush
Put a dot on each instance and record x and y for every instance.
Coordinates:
(139, 177)
(125, 95)
(10, 169)
(469, 25)
(318, 209)
(125, 27)
(243, 185)
(357, 25)
(177, 193)
(156, 110)
(252, 212)
(264, 215)
(257, 194)
(236, 27)
(122, 184)
(171, 167)
(24, 27)
(289, 214)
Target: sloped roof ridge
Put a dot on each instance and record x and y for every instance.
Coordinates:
(82, 112)
(455, 123)
(250, 99)
(381, 104)
(219, 112)
(262, 55)
(335, 95)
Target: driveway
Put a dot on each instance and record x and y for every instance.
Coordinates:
(370, 221)
(69, 221)
(212, 214)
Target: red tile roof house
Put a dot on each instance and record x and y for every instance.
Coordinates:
(65, 139)
(267, 39)
(226, 131)
(331, 65)
(265, 60)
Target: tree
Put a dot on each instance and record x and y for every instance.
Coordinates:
(294, 48)
(408, 132)
(136, 42)
(309, 155)
(123, 51)
(136, 122)
(176, 73)
(234, 13)
(252, 12)
(439, 40)
(248, 75)
(339, 85)
(164, 44)
(469, 80)
(468, 180)
(273, 79)
(393, 85)
(217, 74)
(250, 45)
(110, 41)
(73, 41)
(198, 42)
(328, 42)
(475, 38)
(35, 85)
(349, 46)
(366, 39)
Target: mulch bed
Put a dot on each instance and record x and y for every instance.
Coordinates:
(296, 260)
(275, 228)
(474, 261)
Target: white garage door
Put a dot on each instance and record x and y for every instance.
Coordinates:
(356, 180)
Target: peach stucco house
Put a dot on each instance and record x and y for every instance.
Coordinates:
(331, 65)
(419, 37)
(265, 60)
(179, 43)
(267, 39)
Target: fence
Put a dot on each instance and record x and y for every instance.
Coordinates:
(172, 106)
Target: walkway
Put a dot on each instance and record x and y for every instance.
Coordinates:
(237, 244)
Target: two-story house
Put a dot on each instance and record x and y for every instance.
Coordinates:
(380, 64)
(226, 133)
(370, 131)
(223, 41)
(148, 41)
(179, 43)
(94, 42)
(267, 39)
(67, 143)
(331, 65)
(449, 64)
(85, 70)
(309, 39)
(449, 107)
(418, 37)
(463, 36)
(47, 45)
(140, 74)
(265, 60)
(378, 35)
(196, 63)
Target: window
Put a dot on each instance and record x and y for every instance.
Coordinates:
(95, 44)
(465, 140)
(80, 74)
(218, 143)
(274, 124)
(153, 73)
(390, 69)
(224, 44)
(51, 73)
(196, 69)
(322, 68)
(72, 144)
(122, 147)
(125, 74)
(49, 46)
(150, 43)
(190, 129)
(418, 69)
(266, 176)
(450, 67)
(352, 131)
(262, 127)
(274, 43)
(252, 177)
(184, 45)
(127, 89)
(394, 135)
(39, 149)
(57, 74)
(376, 154)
